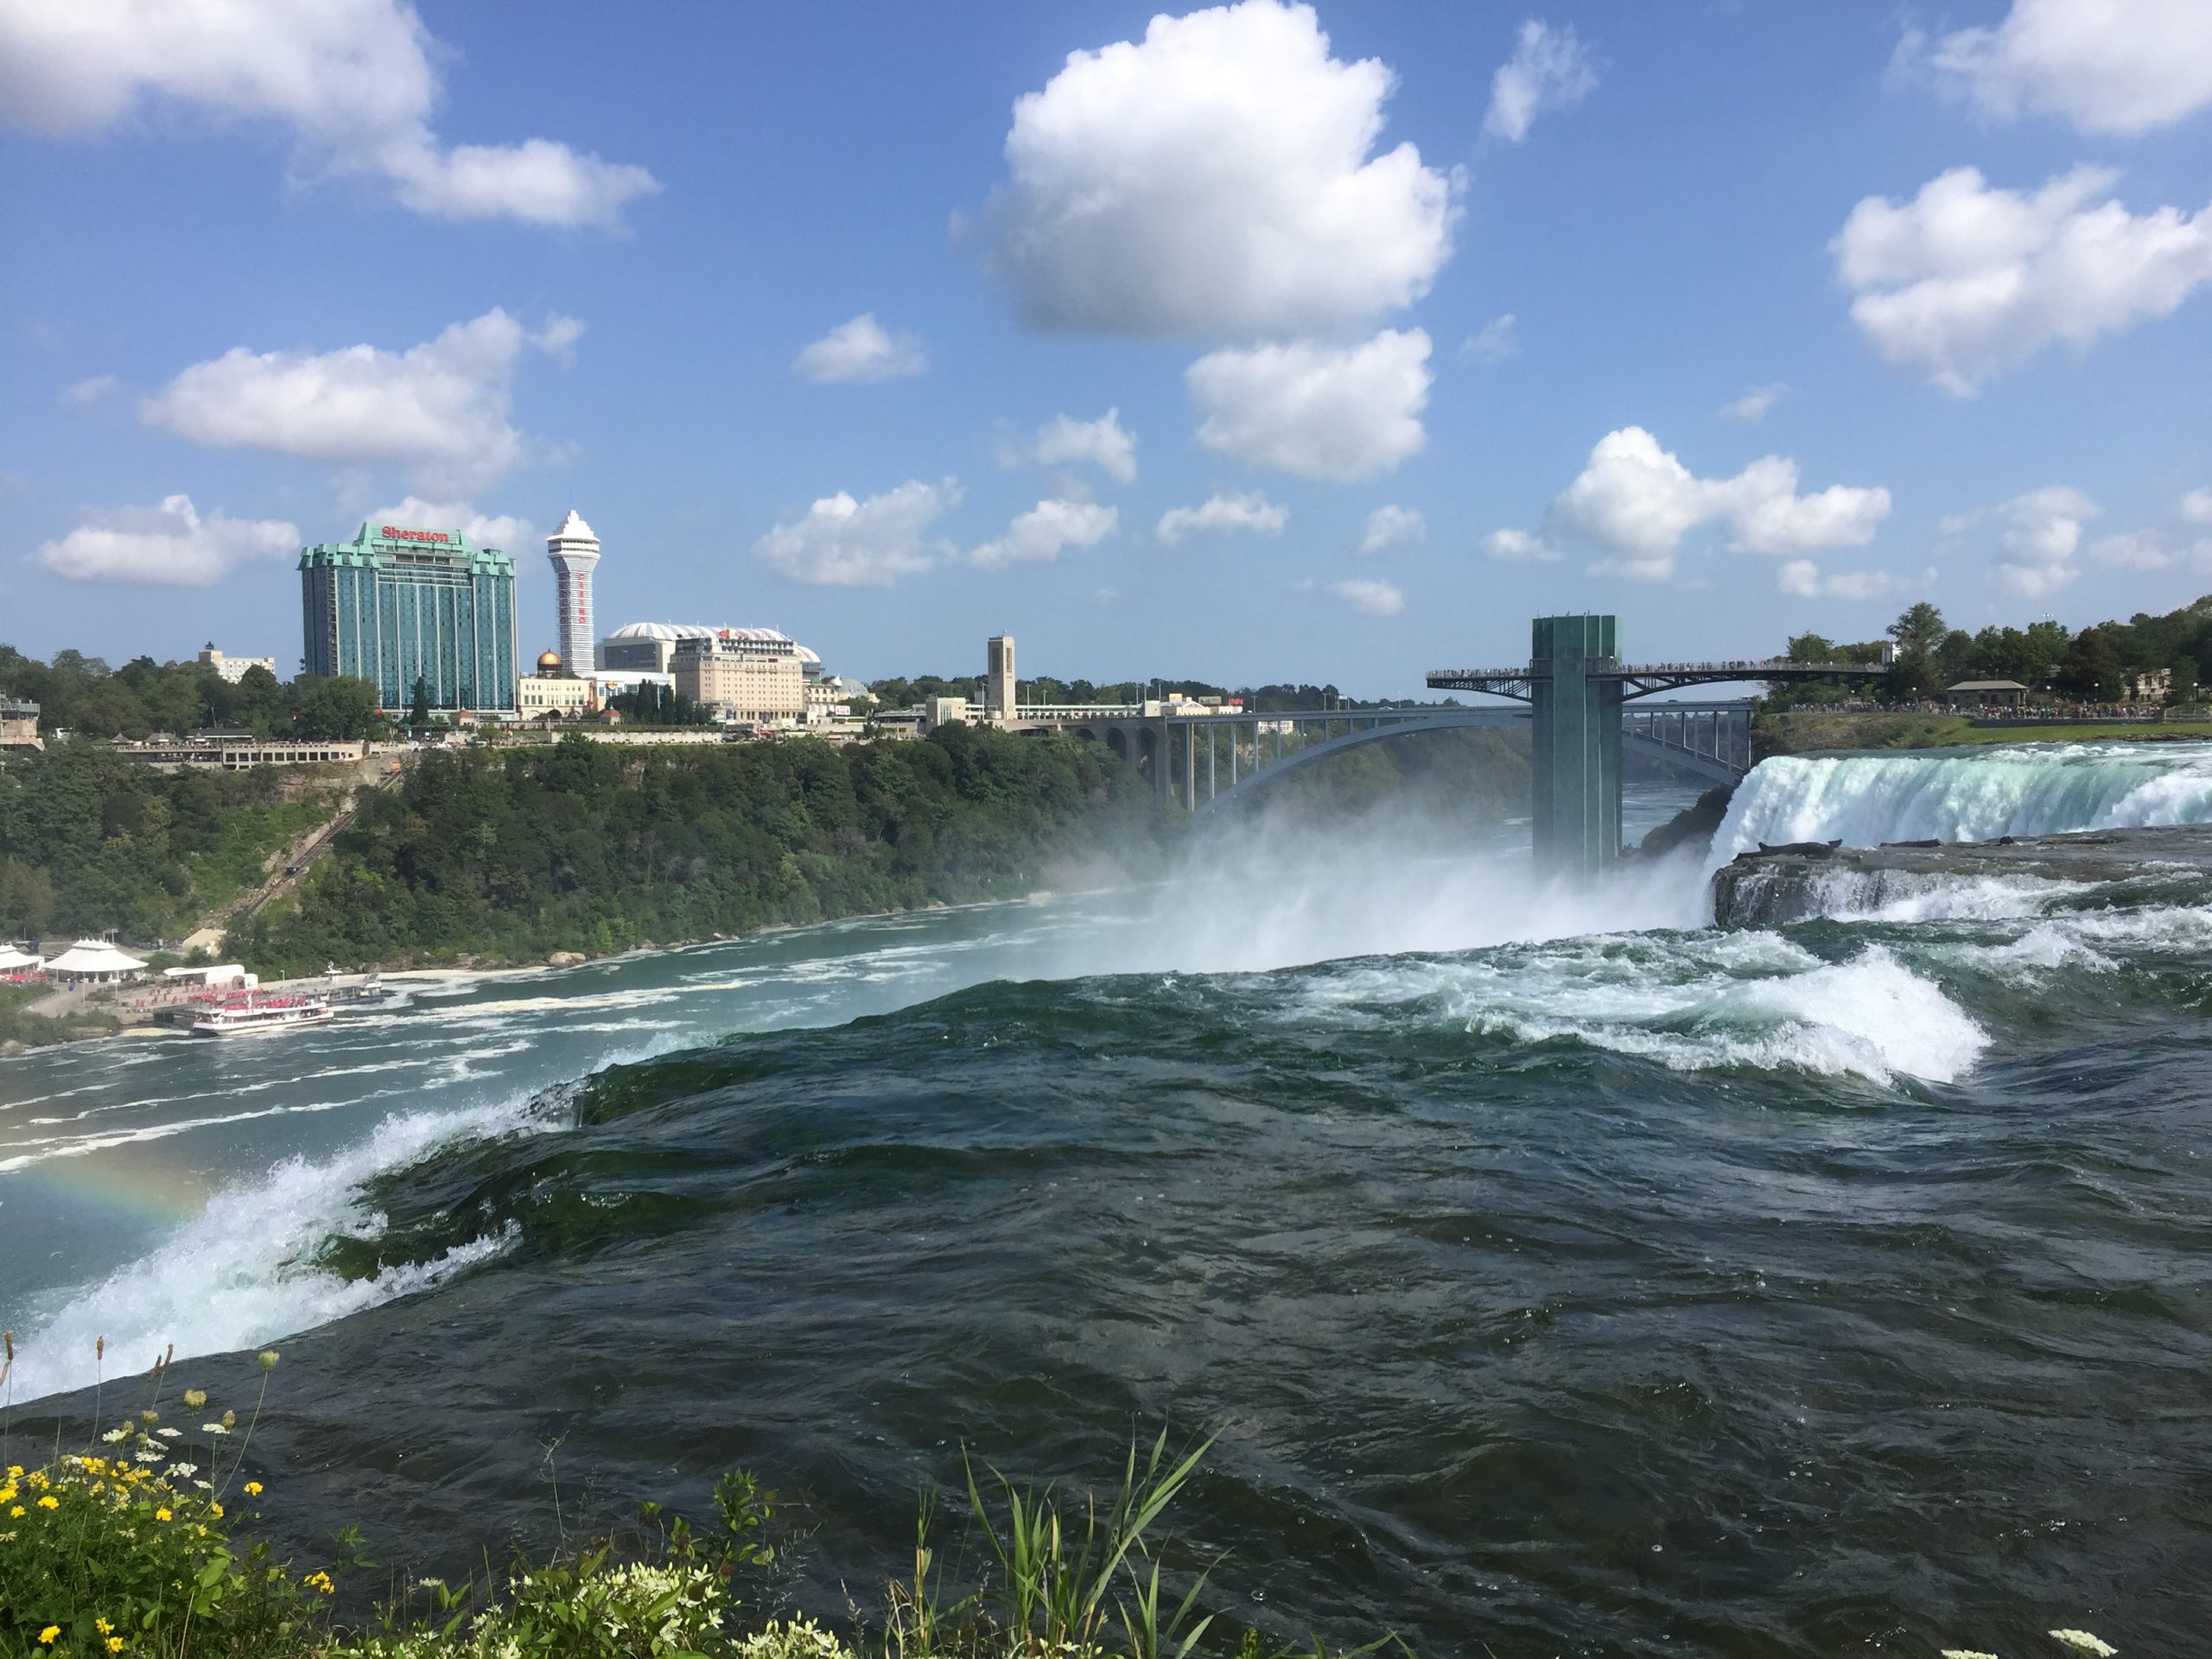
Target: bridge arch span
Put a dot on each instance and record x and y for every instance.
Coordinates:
(1313, 754)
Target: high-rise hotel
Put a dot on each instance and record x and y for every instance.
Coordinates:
(396, 605)
(573, 551)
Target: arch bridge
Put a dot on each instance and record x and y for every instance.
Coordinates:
(1579, 719)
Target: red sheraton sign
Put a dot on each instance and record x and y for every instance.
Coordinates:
(393, 535)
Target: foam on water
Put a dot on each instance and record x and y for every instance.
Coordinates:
(241, 1272)
(1691, 1002)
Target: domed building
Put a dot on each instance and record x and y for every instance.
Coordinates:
(755, 677)
(553, 693)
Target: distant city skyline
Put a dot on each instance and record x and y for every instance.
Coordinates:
(1249, 343)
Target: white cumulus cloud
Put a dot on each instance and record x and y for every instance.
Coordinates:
(1393, 526)
(842, 542)
(2038, 533)
(860, 350)
(1518, 546)
(169, 546)
(2107, 66)
(443, 408)
(1215, 178)
(1337, 414)
(1754, 404)
(1251, 512)
(1636, 501)
(1370, 598)
(355, 82)
(504, 530)
(1041, 535)
(1964, 282)
(1550, 69)
(2197, 507)
(1494, 343)
(2134, 549)
(1808, 581)
(86, 393)
(1064, 440)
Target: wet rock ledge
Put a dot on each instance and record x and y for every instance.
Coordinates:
(1776, 885)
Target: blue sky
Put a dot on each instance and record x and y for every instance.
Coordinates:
(816, 314)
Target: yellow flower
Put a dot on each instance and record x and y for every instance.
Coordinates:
(215, 1510)
(268, 1358)
(104, 1627)
(252, 1489)
(7, 1494)
(194, 1398)
(49, 1502)
(48, 1635)
(15, 1471)
(115, 1644)
(160, 1515)
(16, 1513)
(319, 1580)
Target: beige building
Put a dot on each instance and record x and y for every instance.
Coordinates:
(553, 692)
(742, 675)
(19, 725)
(231, 669)
(1001, 690)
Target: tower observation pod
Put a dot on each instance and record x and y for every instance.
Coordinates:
(574, 552)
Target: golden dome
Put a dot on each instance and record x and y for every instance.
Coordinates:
(549, 662)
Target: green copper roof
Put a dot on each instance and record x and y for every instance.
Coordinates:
(378, 546)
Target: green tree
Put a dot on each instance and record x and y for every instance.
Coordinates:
(258, 703)
(1810, 648)
(342, 706)
(418, 707)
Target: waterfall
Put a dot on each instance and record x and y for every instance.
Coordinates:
(2043, 789)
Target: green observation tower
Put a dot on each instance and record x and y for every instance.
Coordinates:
(397, 605)
(1574, 692)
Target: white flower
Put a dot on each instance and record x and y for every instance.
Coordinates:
(116, 1435)
(2082, 1642)
(183, 1471)
(149, 1454)
(213, 1428)
(205, 1485)
(168, 1433)
(1964, 1653)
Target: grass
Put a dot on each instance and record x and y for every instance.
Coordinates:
(35, 1029)
(141, 1543)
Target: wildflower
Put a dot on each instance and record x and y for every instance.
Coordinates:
(16, 1512)
(215, 1510)
(230, 1419)
(149, 1454)
(49, 1502)
(194, 1398)
(205, 1485)
(252, 1489)
(48, 1635)
(321, 1580)
(214, 1429)
(115, 1644)
(168, 1433)
(104, 1627)
(1965, 1653)
(160, 1515)
(183, 1470)
(431, 1584)
(7, 1494)
(2082, 1642)
(150, 1415)
(15, 1471)
(115, 1434)
(268, 1358)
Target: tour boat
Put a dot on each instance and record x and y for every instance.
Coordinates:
(271, 1013)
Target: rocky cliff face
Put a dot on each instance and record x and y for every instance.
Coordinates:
(1776, 885)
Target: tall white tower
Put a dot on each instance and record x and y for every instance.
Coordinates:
(573, 550)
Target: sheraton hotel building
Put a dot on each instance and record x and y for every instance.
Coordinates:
(395, 605)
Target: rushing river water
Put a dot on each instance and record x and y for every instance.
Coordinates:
(1561, 1274)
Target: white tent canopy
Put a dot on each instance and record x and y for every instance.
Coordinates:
(13, 961)
(93, 959)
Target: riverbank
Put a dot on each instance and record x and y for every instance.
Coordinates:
(1801, 731)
